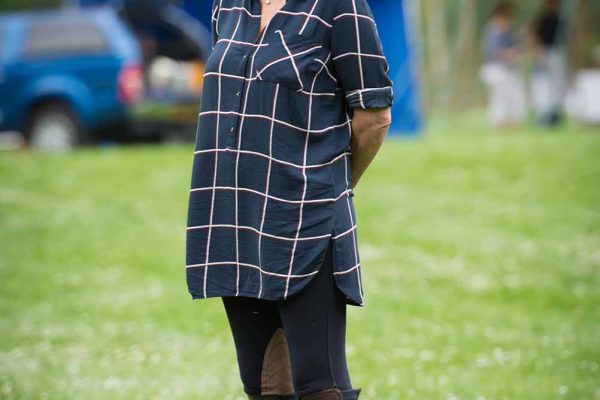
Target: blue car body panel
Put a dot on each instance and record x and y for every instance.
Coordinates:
(87, 82)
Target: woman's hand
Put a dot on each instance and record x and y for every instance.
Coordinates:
(369, 127)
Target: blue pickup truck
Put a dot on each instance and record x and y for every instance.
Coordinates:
(102, 70)
(67, 77)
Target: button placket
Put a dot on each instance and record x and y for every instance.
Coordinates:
(240, 94)
(237, 105)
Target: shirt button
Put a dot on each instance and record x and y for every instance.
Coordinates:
(232, 129)
(238, 93)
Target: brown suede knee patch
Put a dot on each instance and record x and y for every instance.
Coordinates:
(276, 376)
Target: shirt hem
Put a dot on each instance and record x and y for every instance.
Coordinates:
(349, 301)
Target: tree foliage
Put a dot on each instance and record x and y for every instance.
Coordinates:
(449, 34)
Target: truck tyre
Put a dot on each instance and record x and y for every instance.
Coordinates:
(53, 127)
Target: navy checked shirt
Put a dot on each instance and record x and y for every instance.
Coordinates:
(271, 180)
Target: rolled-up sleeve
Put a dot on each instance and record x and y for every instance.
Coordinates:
(357, 52)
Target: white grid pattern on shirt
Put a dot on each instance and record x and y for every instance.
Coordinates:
(359, 54)
(237, 159)
(297, 13)
(305, 154)
(241, 264)
(353, 92)
(271, 197)
(312, 10)
(354, 239)
(354, 15)
(212, 201)
(271, 158)
(243, 43)
(256, 78)
(276, 237)
(215, 19)
(327, 70)
(289, 125)
(268, 179)
(290, 57)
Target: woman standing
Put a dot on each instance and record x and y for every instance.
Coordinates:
(295, 106)
(507, 99)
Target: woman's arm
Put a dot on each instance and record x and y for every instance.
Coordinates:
(369, 127)
(362, 72)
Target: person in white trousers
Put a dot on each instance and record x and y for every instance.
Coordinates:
(548, 82)
(507, 99)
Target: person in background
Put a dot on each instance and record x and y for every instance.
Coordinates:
(548, 83)
(507, 103)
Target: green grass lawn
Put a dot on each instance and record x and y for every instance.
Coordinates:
(480, 249)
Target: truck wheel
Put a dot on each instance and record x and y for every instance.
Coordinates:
(53, 127)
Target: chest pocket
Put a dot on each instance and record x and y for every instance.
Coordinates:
(290, 59)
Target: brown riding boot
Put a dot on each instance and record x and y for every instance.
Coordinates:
(334, 394)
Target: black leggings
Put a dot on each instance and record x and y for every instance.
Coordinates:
(313, 321)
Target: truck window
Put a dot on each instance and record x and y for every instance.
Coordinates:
(63, 38)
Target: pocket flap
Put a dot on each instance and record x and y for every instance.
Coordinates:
(290, 59)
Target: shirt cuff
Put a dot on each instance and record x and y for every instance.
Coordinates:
(370, 98)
